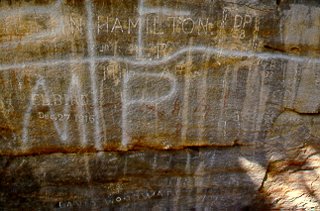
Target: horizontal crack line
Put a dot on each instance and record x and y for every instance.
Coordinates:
(50, 151)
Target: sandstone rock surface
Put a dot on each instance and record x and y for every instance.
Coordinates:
(159, 105)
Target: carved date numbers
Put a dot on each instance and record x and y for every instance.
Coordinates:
(85, 118)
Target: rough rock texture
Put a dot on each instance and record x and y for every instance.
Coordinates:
(159, 104)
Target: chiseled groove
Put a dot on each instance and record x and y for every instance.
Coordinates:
(92, 70)
(193, 49)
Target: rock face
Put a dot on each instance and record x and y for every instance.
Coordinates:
(159, 105)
